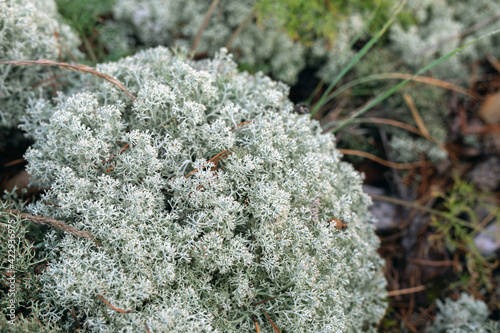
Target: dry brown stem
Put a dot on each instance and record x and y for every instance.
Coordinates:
(197, 39)
(75, 68)
(112, 306)
(275, 328)
(395, 123)
(54, 223)
(412, 290)
(266, 300)
(254, 318)
(380, 160)
(223, 154)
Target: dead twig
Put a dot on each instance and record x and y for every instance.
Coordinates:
(420, 123)
(112, 306)
(59, 43)
(55, 84)
(59, 53)
(481, 129)
(75, 68)
(430, 81)
(89, 49)
(211, 9)
(240, 28)
(14, 162)
(54, 223)
(416, 116)
(147, 327)
(112, 157)
(52, 78)
(391, 122)
(215, 160)
(380, 160)
(73, 314)
(406, 291)
(266, 300)
(254, 318)
(240, 125)
(273, 325)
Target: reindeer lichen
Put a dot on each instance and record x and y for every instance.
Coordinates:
(29, 30)
(211, 199)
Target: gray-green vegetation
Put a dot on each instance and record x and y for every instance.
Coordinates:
(222, 198)
(29, 30)
(465, 315)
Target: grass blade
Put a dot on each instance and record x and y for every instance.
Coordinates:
(401, 76)
(351, 44)
(356, 59)
(403, 83)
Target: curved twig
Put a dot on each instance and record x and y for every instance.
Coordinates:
(75, 68)
(112, 306)
(380, 160)
(203, 25)
(54, 223)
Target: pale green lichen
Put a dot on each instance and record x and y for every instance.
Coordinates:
(465, 315)
(439, 29)
(196, 246)
(176, 23)
(28, 32)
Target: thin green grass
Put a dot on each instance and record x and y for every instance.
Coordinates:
(356, 59)
(358, 35)
(391, 91)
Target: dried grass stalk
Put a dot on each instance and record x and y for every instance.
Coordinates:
(75, 68)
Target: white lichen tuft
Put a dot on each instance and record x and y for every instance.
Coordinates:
(176, 23)
(438, 30)
(465, 315)
(28, 31)
(192, 245)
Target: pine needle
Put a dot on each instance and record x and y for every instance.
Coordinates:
(416, 116)
(379, 160)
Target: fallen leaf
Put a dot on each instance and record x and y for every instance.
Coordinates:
(490, 110)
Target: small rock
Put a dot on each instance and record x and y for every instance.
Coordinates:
(382, 211)
(21, 180)
(486, 175)
(488, 240)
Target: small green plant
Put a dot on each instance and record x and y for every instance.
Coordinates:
(307, 21)
(458, 225)
(86, 18)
